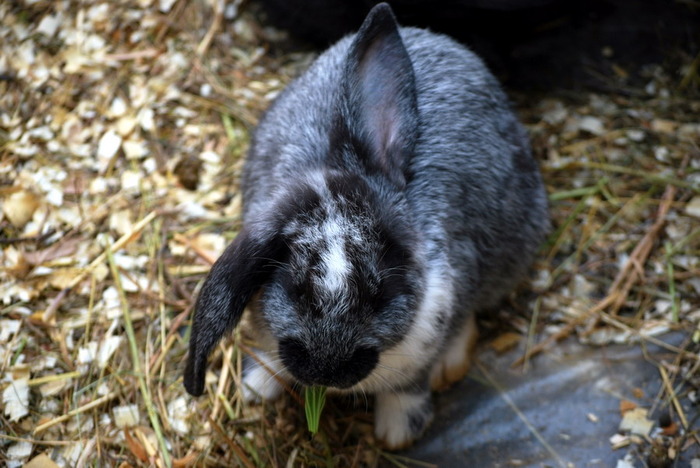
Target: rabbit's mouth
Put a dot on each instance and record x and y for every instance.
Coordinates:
(312, 367)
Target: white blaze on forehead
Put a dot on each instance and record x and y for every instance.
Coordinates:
(335, 263)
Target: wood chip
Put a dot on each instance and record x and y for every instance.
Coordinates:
(41, 461)
(20, 207)
(505, 342)
(635, 421)
(15, 398)
(626, 405)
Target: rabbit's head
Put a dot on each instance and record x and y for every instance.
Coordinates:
(335, 259)
(337, 284)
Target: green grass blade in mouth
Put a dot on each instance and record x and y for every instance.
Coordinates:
(315, 398)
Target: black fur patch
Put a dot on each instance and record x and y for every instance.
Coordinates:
(243, 267)
(303, 199)
(333, 370)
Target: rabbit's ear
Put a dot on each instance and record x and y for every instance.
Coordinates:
(378, 109)
(240, 271)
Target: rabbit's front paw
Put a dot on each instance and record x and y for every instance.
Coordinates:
(260, 382)
(455, 361)
(400, 418)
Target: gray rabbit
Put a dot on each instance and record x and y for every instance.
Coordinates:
(389, 194)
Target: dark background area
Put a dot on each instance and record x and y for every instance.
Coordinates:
(530, 44)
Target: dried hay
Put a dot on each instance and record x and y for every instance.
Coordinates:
(122, 130)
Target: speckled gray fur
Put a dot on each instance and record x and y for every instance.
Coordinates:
(465, 187)
(428, 218)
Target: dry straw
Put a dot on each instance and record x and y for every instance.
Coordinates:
(119, 178)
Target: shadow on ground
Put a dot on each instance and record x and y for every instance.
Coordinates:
(561, 412)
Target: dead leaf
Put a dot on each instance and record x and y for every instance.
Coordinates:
(62, 278)
(186, 461)
(37, 318)
(135, 447)
(16, 264)
(505, 341)
(670, 430)
(65, 248)
(664, 126)
(626, 405)
(16, 399)
(41, 461)
(20, 207)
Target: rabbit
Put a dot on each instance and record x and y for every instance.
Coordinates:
(389, 194)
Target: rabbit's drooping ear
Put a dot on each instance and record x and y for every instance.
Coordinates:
(379, 100)
(233, 279)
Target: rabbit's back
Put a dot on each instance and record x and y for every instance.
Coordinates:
(474, 184)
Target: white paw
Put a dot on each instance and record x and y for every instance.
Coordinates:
(400, 418)
(455, 361)
(260, 384)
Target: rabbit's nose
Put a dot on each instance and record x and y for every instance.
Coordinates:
(321, 367)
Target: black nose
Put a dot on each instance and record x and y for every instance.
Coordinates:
(313, 366)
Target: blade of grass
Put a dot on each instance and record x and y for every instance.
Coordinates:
(586, 229)
(649, 176)
(574, 193)
(237, 449)
(50, 443)
(671, 282)
(618, 292)
(604, 229)
(70, 414)
(692, 73)
(121, 242)
(609, 319)
(314, 401)
(227, 121)
(673, 397)
(53, 378)
(227, 406)
(565, 331)
(223, 381)
(531, 331)
(686, 240)
(503, 394)
(557, 238)
(18, 351)
(136, 359)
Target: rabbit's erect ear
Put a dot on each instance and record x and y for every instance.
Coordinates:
(380, 110)
(234, 278)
